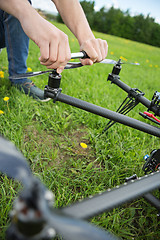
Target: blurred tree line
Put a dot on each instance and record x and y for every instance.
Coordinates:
(116, 22)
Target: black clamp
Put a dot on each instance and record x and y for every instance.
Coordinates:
(52, 90)
(135, 93)
(155, 103)
(152, 161)
(115, 72)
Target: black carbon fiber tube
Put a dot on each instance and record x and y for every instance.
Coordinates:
(115, 197)
(106, 113)
(140, 99)
(152, 200)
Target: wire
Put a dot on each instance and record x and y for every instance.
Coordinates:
(124, 108)
(152, 116)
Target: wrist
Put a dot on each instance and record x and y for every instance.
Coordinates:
(16, 8)
(85, 37)
(28, 13)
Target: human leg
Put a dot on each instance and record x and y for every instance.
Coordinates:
(2, 34)
(17, 44)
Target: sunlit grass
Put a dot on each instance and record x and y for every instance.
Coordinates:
(51, 135)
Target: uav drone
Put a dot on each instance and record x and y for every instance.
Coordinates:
(34, 216)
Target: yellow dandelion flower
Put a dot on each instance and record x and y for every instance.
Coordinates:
(156, 66)
(111, 53)
(147, 61)
(123, 58)
(6, 99)
(150, 65)
(29, 69)
(83, 145)
(1, 112)
(1, 74)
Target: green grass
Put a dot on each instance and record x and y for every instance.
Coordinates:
(49, 136)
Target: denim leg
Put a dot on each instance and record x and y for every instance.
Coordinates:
(17, 43)
(2, 34)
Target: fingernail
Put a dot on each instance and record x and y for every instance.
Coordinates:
(90, 62)
(59, 70)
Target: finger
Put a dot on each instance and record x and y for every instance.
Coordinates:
(57, 61)
(98, 47)
(86, 62)
(60, 70)
(102, 49)
(90, 50)
(52, 55)
(105, 48)
(63, 56)
(44, 50)
(68, 52)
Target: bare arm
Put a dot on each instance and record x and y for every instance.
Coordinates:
(53, 43)
(75, 19)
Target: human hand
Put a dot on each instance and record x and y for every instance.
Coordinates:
(53, 43)
(96, 49)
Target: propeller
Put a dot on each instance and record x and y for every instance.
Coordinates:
(69, 65)
(14, 165)
(33, 74)
(110, 61)
(12, 162)
(75, 229)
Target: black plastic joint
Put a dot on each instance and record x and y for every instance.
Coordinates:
(116, 69)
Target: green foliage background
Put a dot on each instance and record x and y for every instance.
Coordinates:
(118, 23)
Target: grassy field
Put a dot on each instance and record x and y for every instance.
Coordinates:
(49, 135)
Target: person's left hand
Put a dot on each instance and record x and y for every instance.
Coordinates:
(96, 49)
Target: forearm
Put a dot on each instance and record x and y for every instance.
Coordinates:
(28, 17)
(74, 17)
(17, 8)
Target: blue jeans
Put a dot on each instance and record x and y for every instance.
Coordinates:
(16, 41)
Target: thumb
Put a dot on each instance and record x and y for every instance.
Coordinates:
(86, 61)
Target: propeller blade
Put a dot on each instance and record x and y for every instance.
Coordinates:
(69, 65)
(73, 65)
(12, 162)
(29, 74)
(72, 228)
(33, 74)
(136, 63)
(108, 61)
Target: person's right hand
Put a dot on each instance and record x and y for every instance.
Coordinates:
(53, 43)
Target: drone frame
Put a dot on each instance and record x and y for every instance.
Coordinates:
(135, 188)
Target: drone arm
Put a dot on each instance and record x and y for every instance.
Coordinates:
(132, 92)
(103, 112)
(112, 198)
